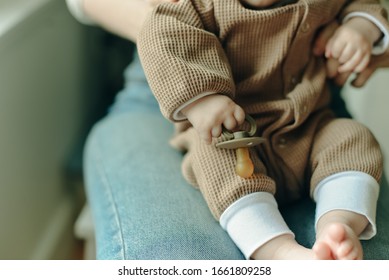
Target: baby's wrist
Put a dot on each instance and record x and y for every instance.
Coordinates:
(367, 28)
(189, 108)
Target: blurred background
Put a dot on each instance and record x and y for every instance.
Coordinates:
(57, 78)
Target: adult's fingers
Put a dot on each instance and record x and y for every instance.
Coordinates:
(323, 37)
(332, 67)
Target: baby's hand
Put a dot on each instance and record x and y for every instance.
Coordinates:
(351, 45)
(208, 114)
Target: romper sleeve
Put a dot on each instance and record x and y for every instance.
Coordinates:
(182, 57)
(376, 13)
(372, 7)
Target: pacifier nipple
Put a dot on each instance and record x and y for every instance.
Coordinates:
(241, 141)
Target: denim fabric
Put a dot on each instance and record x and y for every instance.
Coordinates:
(144, 209)
(141, 205)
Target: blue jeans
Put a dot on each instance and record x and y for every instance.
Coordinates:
(144, 209)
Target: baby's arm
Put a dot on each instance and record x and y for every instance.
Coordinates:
(208, 114)
(351, 45)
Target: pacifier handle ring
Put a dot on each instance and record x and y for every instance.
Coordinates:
(253, 128)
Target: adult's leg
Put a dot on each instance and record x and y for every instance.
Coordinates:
(141, 205)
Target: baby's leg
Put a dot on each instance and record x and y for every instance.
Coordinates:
(245, 208)
(256, 225)
(337, 236)
(346, 164)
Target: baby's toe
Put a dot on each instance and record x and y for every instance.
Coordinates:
(337, 233)
(322, 251)
(346, 251)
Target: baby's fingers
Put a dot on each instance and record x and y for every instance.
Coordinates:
(239, 115)
(363, 64)
(206, 136)
(357, 63)
(234, 118)
(335, 47)
(230, 122)
(216, 131)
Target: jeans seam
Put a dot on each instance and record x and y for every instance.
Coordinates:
(104, 178)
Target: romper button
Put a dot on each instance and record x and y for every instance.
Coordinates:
(292, 83)
(282, 143)
(305, 27)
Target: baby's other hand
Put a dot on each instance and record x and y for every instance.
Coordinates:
(210, 113)
(350, 48)
(352, 43)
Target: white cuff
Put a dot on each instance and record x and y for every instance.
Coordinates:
(178, 116)
(252, 221)
(76, 9)
(382, 45)
(352, 191)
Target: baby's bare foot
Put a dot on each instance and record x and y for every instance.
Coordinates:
(338, 242)
(283, 247)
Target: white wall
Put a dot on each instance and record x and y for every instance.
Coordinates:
(43, 115)
(370, 106)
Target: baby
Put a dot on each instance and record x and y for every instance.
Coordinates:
(211, 62)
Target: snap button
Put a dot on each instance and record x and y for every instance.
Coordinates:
(282, 142)
(305, 27)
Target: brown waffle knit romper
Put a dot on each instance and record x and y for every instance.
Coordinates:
(261, 59)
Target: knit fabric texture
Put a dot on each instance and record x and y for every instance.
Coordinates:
(262, 59)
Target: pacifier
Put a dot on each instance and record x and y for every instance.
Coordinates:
(241, 141)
